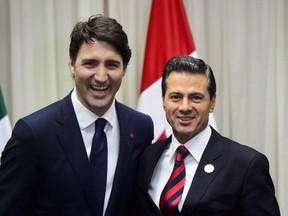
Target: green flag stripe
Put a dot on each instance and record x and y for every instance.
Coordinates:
(3, 111)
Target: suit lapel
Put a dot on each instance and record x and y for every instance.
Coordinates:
(125, 154)
(202, 179)
(73, 146)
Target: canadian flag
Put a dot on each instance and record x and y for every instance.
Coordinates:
(168, 35)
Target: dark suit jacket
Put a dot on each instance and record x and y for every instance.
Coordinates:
(239, 185)
(45, 169)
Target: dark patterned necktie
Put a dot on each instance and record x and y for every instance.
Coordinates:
(98, 162)
(172, 192)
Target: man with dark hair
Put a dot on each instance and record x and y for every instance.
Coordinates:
(196, 171)
(51, 164)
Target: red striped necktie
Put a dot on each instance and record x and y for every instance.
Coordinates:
(172, 192)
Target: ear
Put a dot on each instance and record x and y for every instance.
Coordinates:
(163, 104)
(124, 71)
(212, 103)
(71, 68)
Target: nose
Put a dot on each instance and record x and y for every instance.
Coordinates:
(100, 74)
(185, 105)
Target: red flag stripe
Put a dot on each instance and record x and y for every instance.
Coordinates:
(168, 35)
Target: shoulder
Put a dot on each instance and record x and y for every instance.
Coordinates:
(233, 149)
(132, 116)
(153, 152)
(50, 114)
(120, 107)
(157, 147)
(136, 121)
(64, 105)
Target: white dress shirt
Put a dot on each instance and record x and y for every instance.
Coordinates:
(164, 167)
(86, 120)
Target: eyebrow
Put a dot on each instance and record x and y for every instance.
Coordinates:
(92, 60)
(113, 61)
(89, 60)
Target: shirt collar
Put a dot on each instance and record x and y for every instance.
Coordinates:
(196, 145)
(86, 117)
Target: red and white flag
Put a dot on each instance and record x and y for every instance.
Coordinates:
(5, 126)
(168, 35)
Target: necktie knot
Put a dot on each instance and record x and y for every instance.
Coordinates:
(99, 138)
(100, 124)
(181, 153)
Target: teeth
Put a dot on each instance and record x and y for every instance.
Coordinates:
(185, 119)
(99, 88)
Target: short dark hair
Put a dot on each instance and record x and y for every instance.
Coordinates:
(103, 29)
(190, 65)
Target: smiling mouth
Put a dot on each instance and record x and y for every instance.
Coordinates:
(99, 88)
(186, 119)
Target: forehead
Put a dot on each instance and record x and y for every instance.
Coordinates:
(182, 81)
(98, 49)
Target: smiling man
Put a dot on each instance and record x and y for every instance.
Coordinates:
(196, 171)
(54, 164)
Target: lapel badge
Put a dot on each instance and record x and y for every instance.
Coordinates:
(131, 135)
(209, 168)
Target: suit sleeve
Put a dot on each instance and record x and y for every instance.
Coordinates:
(18, 170)
(258, 194)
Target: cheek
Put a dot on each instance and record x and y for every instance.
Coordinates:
(170, 109)
(204, 111)
(168, 104)
(116, 78)
(83, 74)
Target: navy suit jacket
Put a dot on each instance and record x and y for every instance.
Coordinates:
(45, 169)
(239, 185)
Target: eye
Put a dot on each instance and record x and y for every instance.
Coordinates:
(89, 64)
(197, 98)
(174, 97)
(112, 65)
